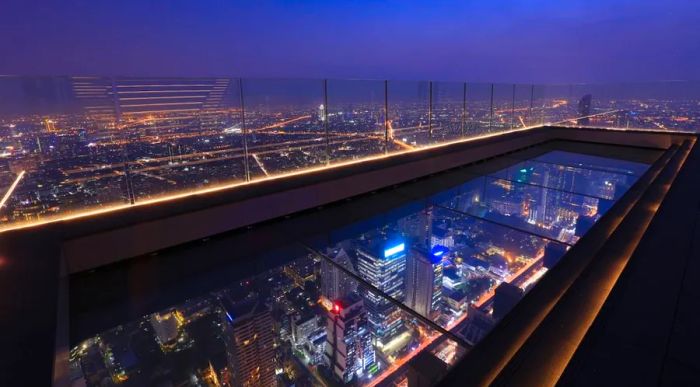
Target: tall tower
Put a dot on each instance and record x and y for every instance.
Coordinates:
(349, 348)
(384, 267)
(336, 284)
(424, 281)
(250, 342)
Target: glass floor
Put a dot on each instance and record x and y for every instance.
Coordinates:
(394, 292)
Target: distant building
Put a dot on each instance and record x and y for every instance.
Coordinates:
(505, 298)
(250, 342)
(584, 109)
(423, 281)
(349, 350)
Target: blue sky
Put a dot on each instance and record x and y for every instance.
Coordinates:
(496, 40)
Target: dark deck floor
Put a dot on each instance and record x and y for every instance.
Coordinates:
(648, 332)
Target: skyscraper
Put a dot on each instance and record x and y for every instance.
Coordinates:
(349, 350)
(584, 109)
(424, 280)
(250, 343)
(384, 267)
(335, 283)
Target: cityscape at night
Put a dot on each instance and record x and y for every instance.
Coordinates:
(349, 193)
(77, 144)
(457, 261)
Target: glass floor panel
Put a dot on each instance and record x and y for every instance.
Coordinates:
(401, 291)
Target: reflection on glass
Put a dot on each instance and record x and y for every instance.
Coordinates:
(181, 134)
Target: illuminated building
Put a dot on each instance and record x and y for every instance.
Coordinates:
(424, 280)
(50, 125)
(250, 342)
(384, 268)
(167, 327)
(349, 350)
(441, 237)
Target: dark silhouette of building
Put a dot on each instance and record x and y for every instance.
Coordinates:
(584, 109)
(552, 254)
(505, 298)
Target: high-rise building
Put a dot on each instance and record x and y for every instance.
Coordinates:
(584, 109)
(384, 267)
(167, 328)
(349, 350)
(250, 342)
(335, 283)
(424, 280)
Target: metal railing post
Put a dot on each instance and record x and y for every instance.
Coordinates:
(464, 109)
(430, 111)
(245, 132)
(491, 110)
(386, 116)
(325, 121)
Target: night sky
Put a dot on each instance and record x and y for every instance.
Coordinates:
(485, 40)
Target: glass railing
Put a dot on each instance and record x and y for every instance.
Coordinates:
(70, 145)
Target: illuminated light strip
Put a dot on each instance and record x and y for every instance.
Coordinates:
(12, 188)
(170, 197)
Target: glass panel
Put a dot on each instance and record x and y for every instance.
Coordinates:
(183, 133)
(594, 162)
(60, 149)
(524, 95)
(355, 119)
(557, 103)
(503, 118)
(437, 261)
(408, 115)
(278, 327)
(284, 125)
(448, 111)
(478, 109)
(596, 183)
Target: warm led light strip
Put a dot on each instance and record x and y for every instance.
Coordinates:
(166, 198)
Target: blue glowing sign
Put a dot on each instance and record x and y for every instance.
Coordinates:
(438, 251)
(394, 250)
